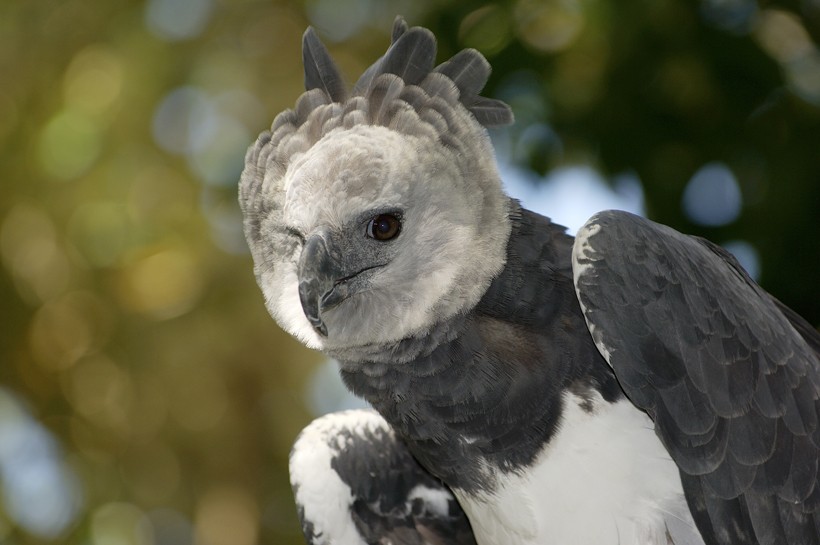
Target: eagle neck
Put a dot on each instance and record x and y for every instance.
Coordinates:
(487, 394)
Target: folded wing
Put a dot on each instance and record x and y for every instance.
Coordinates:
(729, 375)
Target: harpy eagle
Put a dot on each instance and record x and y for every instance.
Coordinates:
(629, 385)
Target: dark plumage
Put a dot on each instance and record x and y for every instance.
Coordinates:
(399, 502)
(631, 385)
(320, 70)
(731, 382)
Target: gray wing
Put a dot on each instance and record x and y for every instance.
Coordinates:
(729, 375)
(355, 483)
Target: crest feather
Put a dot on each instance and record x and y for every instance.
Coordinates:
(402, 90)
(383, 94)
(490, 112)
(362, 84)
(288, 117)
(411, 57)
(399, 28)
(320, 70)
(439, 85)
(468, 69)
(310, 101)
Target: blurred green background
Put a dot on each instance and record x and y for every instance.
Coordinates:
(146, 397)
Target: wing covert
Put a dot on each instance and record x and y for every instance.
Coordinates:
(730, 378)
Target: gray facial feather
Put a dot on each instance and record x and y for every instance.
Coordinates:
(406, 142)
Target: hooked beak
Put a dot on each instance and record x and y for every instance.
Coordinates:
(321, 284)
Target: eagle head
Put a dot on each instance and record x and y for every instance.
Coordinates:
(373, 215)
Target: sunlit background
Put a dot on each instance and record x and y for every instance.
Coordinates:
(146, 397)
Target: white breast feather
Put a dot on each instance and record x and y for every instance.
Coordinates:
(604, 479)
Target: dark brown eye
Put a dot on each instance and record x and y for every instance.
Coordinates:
(384, 227)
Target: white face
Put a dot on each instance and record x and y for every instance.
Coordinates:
(446, 252)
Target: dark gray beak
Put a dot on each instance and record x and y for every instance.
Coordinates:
(319, 273)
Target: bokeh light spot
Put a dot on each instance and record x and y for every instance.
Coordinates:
(746, 254)
(163, 284)
(220, 160)
(339, 19)
(69, 144)
(40, 492)
(175, 20)
(118, 523)
(227, 515)
(488, 29)
(782, 34)
(731, 15)
(100, 231)
(93, 81)
(185, 121)
(65, 329)
(169, 527)
(804, 76)
(31, 252)
(101, 390)
(712, 197)
(550, 25)
(523, 91)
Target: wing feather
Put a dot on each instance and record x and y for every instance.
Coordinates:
(730, 376)
(751, 438)
(688, 408)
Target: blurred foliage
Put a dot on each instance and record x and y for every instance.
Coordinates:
(132, 331)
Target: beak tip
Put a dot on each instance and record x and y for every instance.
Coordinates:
(316, 322)
(317, 273)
